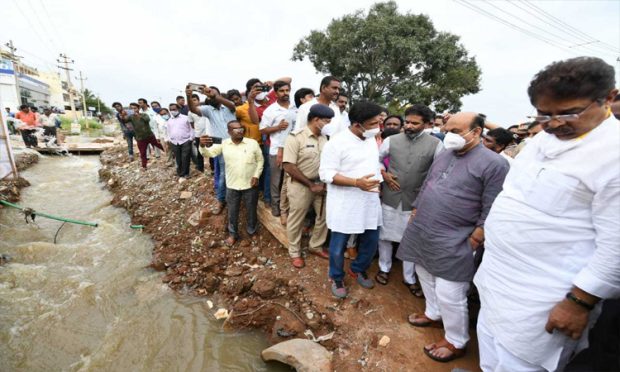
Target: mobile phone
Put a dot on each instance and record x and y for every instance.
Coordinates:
(217, 140)
(196, 87)
(265, 88)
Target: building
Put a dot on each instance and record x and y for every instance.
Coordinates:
(32, 90)
(59, 92)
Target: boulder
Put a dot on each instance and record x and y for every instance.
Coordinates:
(303, 355)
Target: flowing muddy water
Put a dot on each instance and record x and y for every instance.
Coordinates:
(88, 303)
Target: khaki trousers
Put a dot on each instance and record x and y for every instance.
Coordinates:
(300, 200)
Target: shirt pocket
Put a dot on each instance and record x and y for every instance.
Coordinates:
(553, 192)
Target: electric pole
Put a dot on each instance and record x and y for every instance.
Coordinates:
(65, 61)
(15, 59)
(83, 95)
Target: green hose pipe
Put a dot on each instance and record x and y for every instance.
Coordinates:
(94, 224)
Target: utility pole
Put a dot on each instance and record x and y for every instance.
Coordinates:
(83, 95)
(65, 61)
(15, 59)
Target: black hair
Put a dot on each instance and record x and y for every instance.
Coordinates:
(156, 102)
(513, 126)
(279, 84)
(233, 92)
(422, 111)
(384, 109)
(179, 97)
(164, 108)
(233, 121)
(327, 80)
(175, 105)
(301, 93)
(250, 84)
(144, 100)
(117, 104)
(400, 119)
(342, 94)
(34, 108)
(364, 110)
(532, 125)
(134, 104)
(21, 107)
(196, 96)
(502, 136)
(581, 77)
(215, 88)
(616, 99)
(478, 121)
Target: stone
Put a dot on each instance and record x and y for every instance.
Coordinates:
(234, 271)
(194, 219)
(221, 314)
(185, 195)
(264, 288)
(384, 341)
(303, 355)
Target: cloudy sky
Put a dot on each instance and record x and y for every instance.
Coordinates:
(139, 48)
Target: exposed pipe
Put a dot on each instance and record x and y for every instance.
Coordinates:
(62, 219)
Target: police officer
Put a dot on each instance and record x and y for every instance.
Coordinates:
(302, 153)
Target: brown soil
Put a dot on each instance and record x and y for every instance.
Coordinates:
(255, 281)
(10, 187)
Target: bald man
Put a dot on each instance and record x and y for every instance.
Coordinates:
(446, 227)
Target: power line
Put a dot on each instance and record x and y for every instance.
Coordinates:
(570, 42)
(43, 27)
(32, 27)
(512, 25)
(572, 29)
(53, 24)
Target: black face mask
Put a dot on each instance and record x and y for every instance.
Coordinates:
(389, 132)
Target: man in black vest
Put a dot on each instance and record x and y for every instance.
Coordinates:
(411, 154)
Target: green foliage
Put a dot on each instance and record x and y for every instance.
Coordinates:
(85, 123)
(393, 58)
(91, 101)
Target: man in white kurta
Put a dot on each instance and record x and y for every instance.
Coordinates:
(553, 233)
(350, 168)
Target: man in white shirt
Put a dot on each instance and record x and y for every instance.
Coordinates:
(201, 124)
(350, 168)
(342, 102)
(276, 124)
(48, 121)
(552, 235)
(328, 93)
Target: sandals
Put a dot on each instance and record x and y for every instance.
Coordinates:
(421, 320)
(382, 277)
(456, 353)
(415, 289)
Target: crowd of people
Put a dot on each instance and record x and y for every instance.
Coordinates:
(529, 214)
(28, 120)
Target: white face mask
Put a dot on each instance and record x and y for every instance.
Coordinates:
(454, 141)
(428, 130)
(370, 133)
(165, 117)
(174, 113)
(261, 96)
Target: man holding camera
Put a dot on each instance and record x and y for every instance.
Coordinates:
(244, 164)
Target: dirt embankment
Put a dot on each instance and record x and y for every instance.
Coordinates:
(255, 281)
(10, 188)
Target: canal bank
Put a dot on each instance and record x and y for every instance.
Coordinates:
(91, 301)
(256, 283)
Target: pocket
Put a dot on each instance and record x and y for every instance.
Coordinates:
(553, 192)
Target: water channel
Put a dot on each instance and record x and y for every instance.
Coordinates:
(88, 303)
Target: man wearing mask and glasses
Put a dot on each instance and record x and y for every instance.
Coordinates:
(446, 227)
(552, 236)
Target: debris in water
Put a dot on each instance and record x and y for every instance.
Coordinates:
(221, 314)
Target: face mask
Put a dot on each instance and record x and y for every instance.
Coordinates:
(157, 109)
(428, 130)
(165, 117)
(370, 133)
(455, 141)
(435, 130)
(261, 96)
(174, 113)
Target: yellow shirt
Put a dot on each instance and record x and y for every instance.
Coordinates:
(251, 130)
(243, 161)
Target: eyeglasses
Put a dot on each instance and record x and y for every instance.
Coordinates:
(567, 117)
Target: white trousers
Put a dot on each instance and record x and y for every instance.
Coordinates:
(446, 300)
(385, 262)
(496, 358)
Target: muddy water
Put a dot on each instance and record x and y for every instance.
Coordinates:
(88, 303)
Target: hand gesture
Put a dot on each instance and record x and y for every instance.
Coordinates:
(366, 183)
(391, 181)
(254, 182)
(255, 91)
(206, 141)
(283, 124)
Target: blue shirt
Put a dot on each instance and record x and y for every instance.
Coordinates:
(123, 126)
(219, 118)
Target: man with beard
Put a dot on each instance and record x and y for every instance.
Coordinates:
(219, 111)
(411, 154)
(328, 93)
(342, 102)
(552, 249)
(275, 124)
(447, 225)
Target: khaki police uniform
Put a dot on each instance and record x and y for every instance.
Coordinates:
(304, 150)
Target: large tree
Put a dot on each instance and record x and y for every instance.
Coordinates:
(94, 101)
(393, 58)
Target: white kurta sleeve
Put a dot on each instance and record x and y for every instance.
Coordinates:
(601, 277)
(330, 162)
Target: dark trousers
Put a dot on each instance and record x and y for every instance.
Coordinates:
(275, 179)
(49, 131)
(197, 156)
(182, 155)
(265, 179)
(142, 146)
(129, 138)
(250, 199)
(30, 140)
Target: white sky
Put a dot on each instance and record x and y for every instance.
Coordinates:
(151, 49)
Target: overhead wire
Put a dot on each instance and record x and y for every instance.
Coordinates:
(548, 33)
(34, 30)
(46, 32)
(53, 24)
